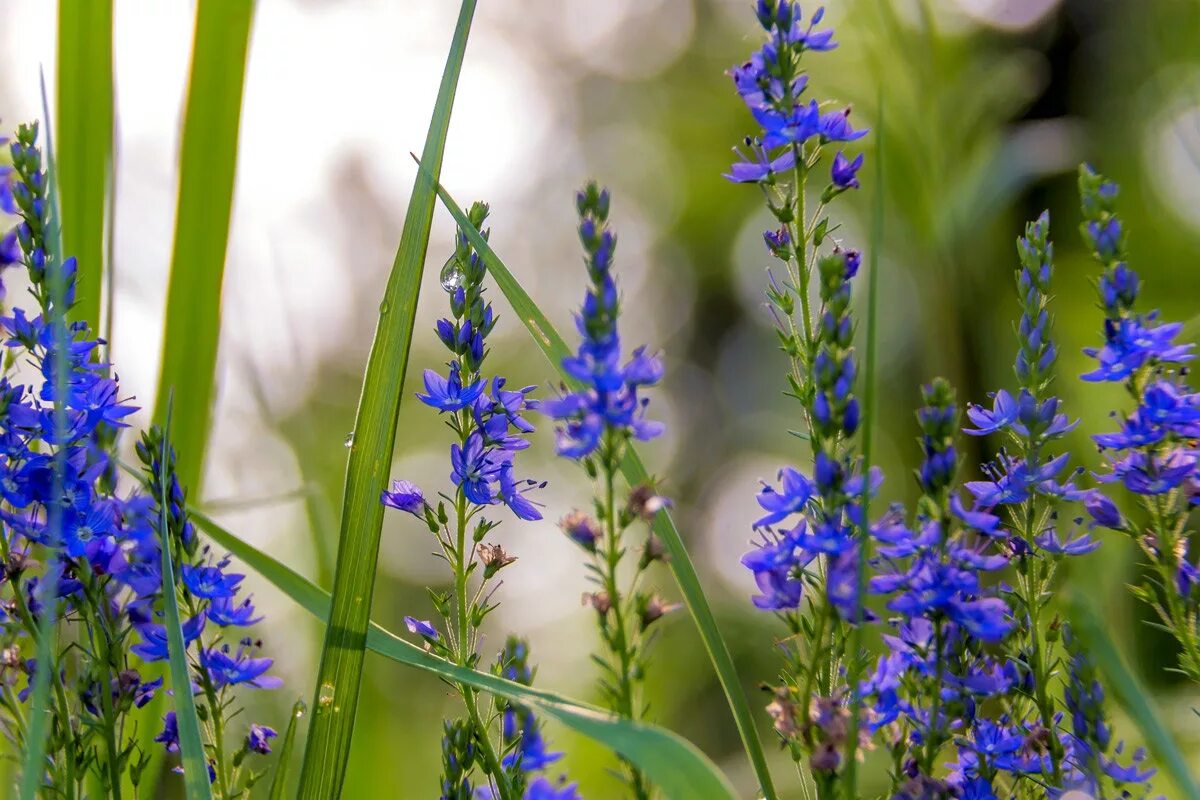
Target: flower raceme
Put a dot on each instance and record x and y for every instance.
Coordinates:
(85, 550)
(490, 427)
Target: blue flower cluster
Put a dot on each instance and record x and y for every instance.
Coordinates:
(488, 418)
(608, 404)
(772, 84)
(1153, 454)
(830, 504)
(98, 552)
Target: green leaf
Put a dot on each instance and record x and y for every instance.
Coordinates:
(84, 125)
(555, 350)
(674, 764)
(191, 745)
(208, 158)
(33, 766)
(279, 781)
(340, 675)
(1130, 693)
(873, 251)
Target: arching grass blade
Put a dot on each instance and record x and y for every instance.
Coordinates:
(280, 780)
(340, 675)
(555, 350)
(191, 746)
(675, 765)
(207, 161)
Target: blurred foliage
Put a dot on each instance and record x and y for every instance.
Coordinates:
(986, 124)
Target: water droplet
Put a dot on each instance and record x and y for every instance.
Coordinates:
(452, 275)
(349, 440)
(325, 696)
(299, 710)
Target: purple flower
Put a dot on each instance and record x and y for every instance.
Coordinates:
(795, 492)
(228, 670)
(759, 166)
(169, 736)
(473, 470)
(448, 394)
(210, 582)
(421, 627)
(844, 172)
(259, 739)
(405, 496)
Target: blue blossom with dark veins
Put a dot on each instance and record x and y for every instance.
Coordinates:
(449, 394)
(405, 496)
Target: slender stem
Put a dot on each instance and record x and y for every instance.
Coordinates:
(464, 641)
(103, 644)
(801, 243)
(618, 640)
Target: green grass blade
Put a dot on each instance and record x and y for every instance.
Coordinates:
(191, 745)
(555, 349)
(33, 766)
(84, 124)
(674, 764)
(208, 158)
(875, 248)
(279, 781)
(1130, 693)
(340, 675)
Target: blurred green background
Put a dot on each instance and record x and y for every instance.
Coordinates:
(990, 105)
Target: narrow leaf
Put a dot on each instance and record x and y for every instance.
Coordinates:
(674, 764)
(279, 781)
(191, 745)
(84, 125)
(208, 158)
(33, 768)
(555, 350)
(340, 675)
(1130, 693)
(875, 248)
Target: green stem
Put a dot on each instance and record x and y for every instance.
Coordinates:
(464, 640)
(618, 641)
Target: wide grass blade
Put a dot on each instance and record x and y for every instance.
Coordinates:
(674, 764)
(555, 349)
(84, 124)
(207, 161)
(373, 439)
(191, 745)
(1130, 693)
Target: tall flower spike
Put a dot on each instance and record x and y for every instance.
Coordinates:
(490, 425)
(596, 422)
(1153, 454)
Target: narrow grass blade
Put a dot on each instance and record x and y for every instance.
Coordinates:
(84, 124)
(33, 767)
(340, 675)
(555, 349)
(1131, 694)
(874, 249)
(674, 764)
(191, 745)
(279, 781)
(208, 158)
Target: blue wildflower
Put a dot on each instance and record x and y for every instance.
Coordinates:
(259, 739)
(405, 496)
(227, 670)
(449, 394)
